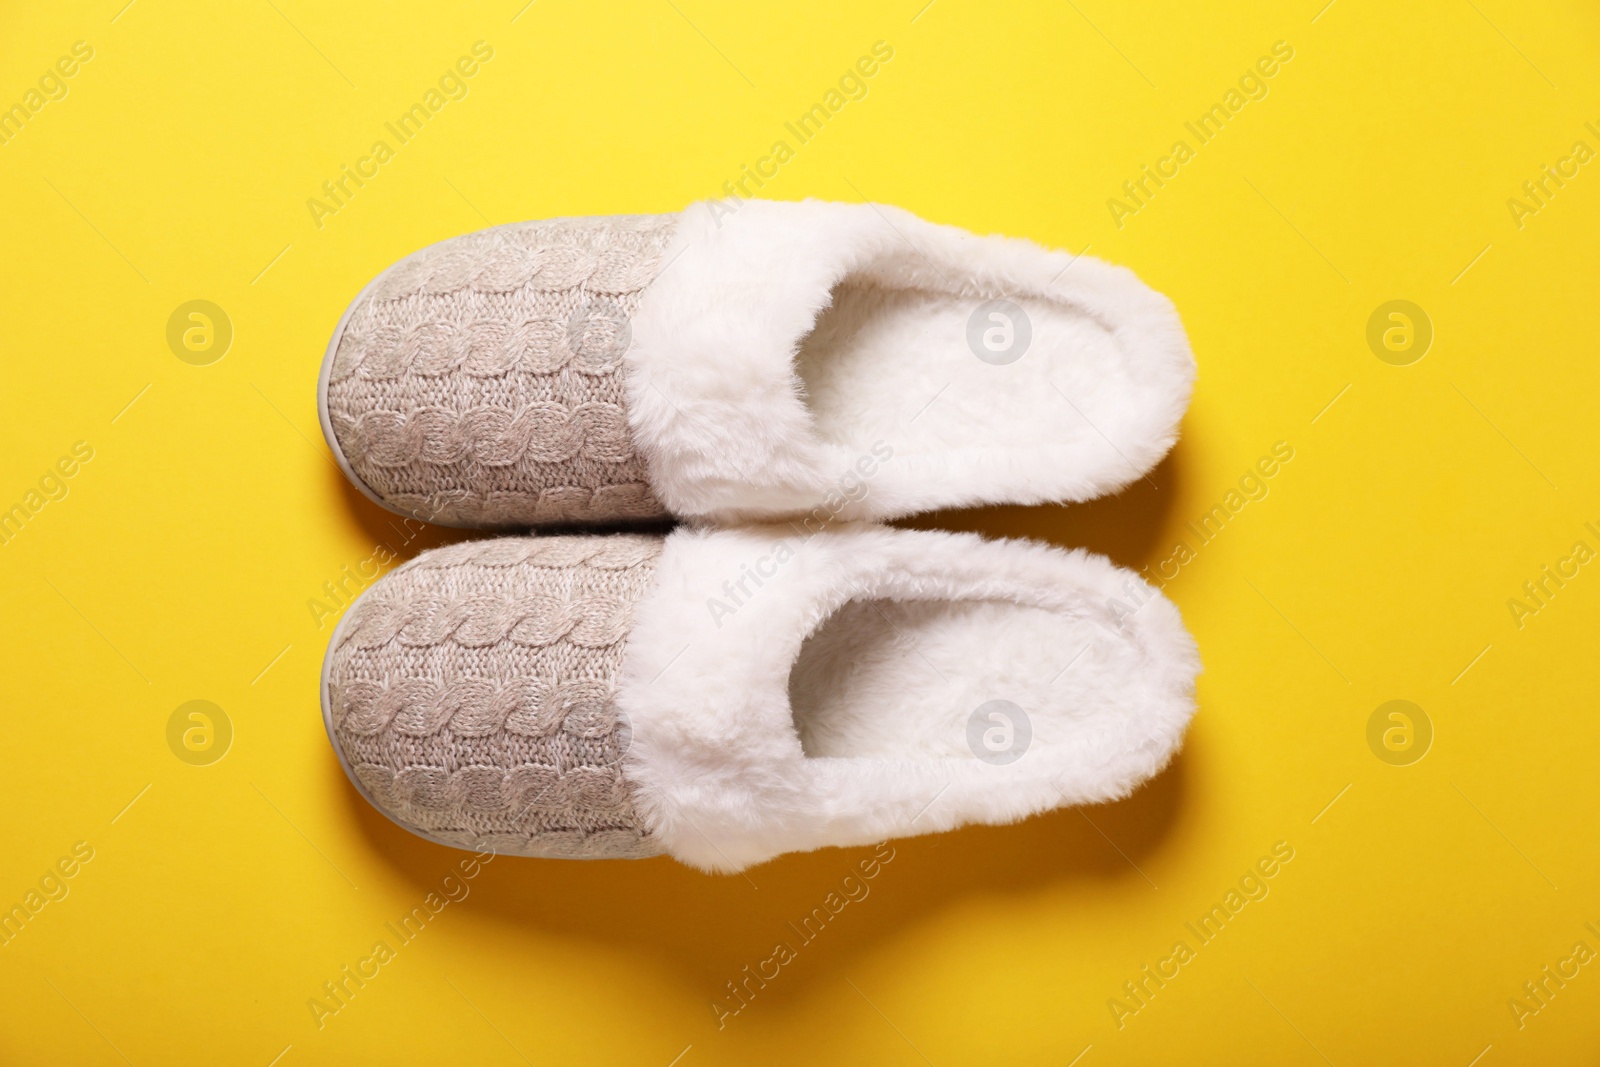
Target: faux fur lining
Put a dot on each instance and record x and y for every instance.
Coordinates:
(721, 775)
(748, 404)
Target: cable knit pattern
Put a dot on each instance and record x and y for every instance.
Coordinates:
(480, 381)
(471, 694)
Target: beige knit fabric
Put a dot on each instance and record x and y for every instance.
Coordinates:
(479, 382)
(471, 694)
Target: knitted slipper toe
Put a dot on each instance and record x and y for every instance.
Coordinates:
(479, 382)
(469, 695)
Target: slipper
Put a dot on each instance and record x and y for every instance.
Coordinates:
(746, 362)
(726, 696)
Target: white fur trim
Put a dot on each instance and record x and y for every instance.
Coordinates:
(784, 341)
(716, 759)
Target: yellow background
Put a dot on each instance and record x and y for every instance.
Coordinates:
(180, 563)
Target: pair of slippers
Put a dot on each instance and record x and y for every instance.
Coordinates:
(780, 673)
